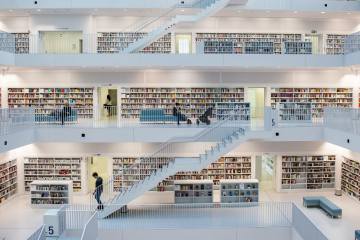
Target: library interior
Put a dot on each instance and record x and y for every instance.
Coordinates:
(173, 119)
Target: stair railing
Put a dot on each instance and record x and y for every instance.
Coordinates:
(136, 174)
(165, 21)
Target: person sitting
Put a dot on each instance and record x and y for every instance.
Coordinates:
(205, 117)
(177, 113)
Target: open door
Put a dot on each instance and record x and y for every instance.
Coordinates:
(108, 105)
(183, 43)
(256, 98)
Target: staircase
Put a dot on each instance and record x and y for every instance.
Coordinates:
(160, 27)
(225, 135)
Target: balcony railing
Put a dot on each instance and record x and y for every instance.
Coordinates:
(116, 42)
(88, 224)
(22, 119)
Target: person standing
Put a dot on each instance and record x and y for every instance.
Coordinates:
(108, 104)
(98, 190)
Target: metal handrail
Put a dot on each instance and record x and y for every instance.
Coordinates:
(162, 147)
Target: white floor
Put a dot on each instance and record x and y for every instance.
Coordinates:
(18, 220)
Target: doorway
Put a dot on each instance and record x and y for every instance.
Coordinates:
(100, 165)
(256, 98)
(316, 42)
(266, 171)
(108, 103)
(183, 43)
(62, 42)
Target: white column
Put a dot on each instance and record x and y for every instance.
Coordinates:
(4, 89)
(356, 90)
(278, 171)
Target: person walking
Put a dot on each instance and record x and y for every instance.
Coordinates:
(98, 190)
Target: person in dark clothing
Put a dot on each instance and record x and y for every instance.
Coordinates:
(177, 112)
(64, 113)
(108, 104)
(98, 190)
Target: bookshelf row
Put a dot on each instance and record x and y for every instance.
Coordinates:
(193, 101)
(231, 191)
(238, 43)
(350, 177)
(294, 112)
(66, 169)
(235, 191)
(236, 167)
(115, 42)
(265, 43)
(319, 98)
(50, 193)
(45, 100)
(8, 179)
(308, 172)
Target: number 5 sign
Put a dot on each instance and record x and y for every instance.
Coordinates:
(52, 223)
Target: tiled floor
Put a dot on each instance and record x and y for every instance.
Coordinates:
(18, 220)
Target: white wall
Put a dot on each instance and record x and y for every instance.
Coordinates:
(88, 24)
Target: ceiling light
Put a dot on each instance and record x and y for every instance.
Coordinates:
(323, 12)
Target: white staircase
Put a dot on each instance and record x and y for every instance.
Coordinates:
(208, 8)
(226, 136)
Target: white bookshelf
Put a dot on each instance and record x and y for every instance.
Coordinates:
(8, 180)
(318, 97)
(229, 167)
(308, 172)
(115, 42)
(193, 191)
(335, 44)
(7, 42)
(50, 193)
(124, 176)
(300, 47)
(45, 100)
(50, 168)
(193, 101)
(239, 111)
(239, 191)
(294, 112)
(21, 42)
(350, 177)
(247, 43)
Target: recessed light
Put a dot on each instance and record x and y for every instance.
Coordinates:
(323, 12)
